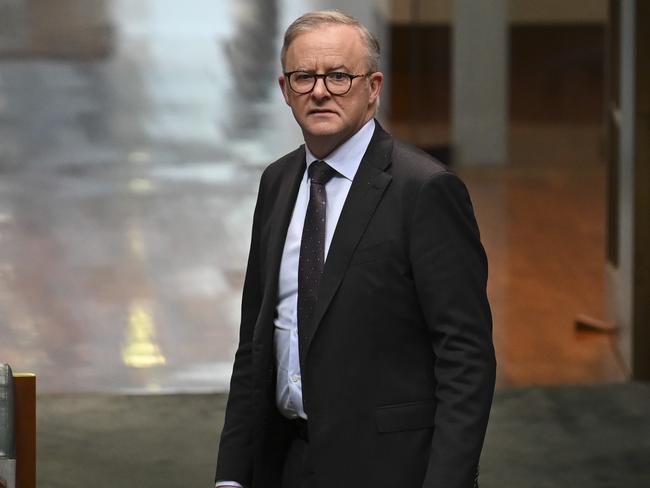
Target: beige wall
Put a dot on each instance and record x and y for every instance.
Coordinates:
(61, 28)
(12, 25)
(558, 11)
(69, 27)
(521, 11)
(384, 7)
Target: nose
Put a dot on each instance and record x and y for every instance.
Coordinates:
(320, 89)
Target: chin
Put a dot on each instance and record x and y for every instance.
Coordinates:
(323, 128)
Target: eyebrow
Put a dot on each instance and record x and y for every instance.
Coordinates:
(337, 67)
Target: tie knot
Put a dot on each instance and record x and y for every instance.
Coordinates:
(320, 172)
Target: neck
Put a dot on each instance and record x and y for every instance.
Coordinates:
(322, 146)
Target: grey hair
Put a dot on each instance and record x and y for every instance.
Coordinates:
(319, 18)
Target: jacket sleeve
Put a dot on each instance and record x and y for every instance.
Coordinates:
(450, 274)
(234, 461)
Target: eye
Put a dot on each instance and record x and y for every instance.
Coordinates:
(302, 76)
(337, 76)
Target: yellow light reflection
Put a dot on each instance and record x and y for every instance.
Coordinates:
(153, 388)
(140, 185)
(140, 349)
(136, 242)
(139, 157)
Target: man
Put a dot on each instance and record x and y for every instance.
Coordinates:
(365, 355)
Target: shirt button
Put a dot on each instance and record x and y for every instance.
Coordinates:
(295, 378)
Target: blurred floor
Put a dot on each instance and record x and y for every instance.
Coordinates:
(595, 436)
(542, 221)
(127, 183)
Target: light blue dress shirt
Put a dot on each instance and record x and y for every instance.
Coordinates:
(345, 160)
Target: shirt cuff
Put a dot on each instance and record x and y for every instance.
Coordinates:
(227, 483)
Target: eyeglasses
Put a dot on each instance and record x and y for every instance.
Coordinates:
(336, 82)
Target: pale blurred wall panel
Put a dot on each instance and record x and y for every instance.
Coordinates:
(69, 29)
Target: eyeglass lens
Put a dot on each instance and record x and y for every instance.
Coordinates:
(336, 83)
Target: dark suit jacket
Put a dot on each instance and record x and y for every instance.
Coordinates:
(397, 362)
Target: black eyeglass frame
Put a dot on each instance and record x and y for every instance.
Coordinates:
(323, 76)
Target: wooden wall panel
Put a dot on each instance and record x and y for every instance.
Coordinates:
(641, 314)
(556, 73)
(25, 385)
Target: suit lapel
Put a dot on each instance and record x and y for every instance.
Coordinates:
(286, 191)
(366, 191)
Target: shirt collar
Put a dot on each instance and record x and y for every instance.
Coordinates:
(346, 158)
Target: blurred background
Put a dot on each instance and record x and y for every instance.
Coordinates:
(133, 134)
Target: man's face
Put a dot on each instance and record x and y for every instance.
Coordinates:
(329, 120)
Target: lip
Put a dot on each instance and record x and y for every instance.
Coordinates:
(322, 112)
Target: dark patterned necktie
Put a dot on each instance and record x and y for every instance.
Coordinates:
(312, 245)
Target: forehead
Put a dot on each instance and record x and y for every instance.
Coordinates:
(327, 45)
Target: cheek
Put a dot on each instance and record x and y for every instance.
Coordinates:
(355, 108)
(296, 104)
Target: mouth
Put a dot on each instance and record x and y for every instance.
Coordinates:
(320, 111)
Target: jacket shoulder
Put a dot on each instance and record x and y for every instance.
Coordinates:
(412, 164)
(273, 174)
(277, 167)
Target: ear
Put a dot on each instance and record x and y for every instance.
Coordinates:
(376, 82)
(282, 81)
